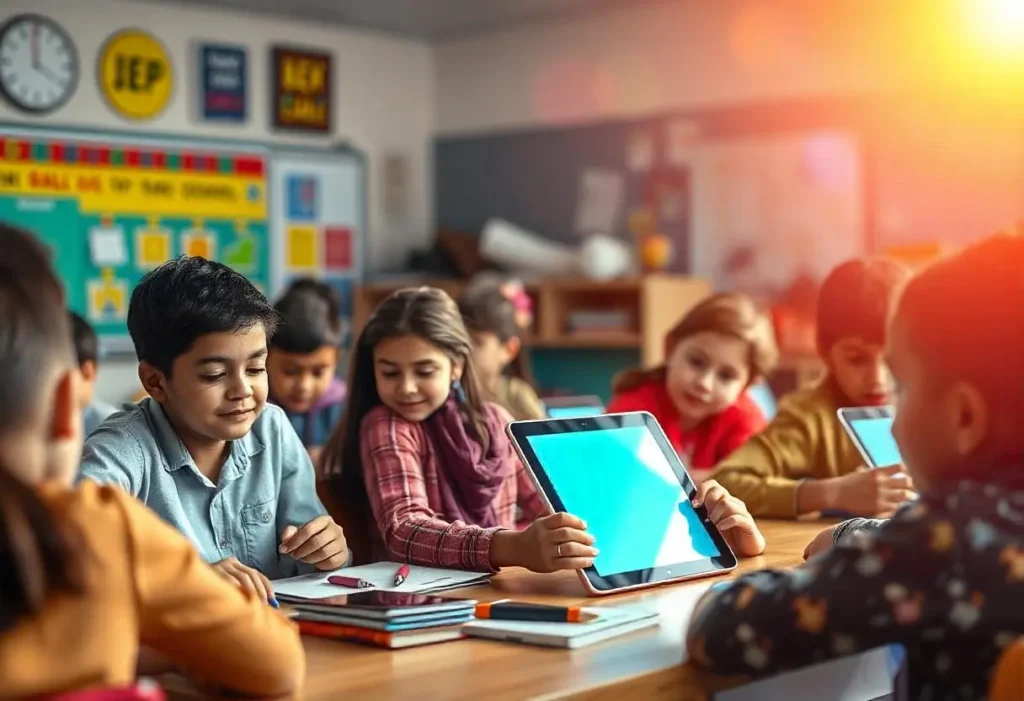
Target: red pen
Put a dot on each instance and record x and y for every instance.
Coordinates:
(350, 582)
(401, 574)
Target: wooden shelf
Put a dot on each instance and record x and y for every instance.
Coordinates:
(624, 339)
(652, 303)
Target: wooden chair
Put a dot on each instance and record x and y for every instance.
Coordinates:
(1008, 678)
(352, 518)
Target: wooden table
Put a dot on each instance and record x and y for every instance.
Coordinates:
(649, 662)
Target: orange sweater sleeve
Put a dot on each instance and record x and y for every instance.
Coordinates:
(188, 613)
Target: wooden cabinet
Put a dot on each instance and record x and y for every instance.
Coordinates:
(641, 310)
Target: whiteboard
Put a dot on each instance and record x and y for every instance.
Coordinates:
(318, 220)
(768, 209)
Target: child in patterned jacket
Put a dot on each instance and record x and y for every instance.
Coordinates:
(945, 576)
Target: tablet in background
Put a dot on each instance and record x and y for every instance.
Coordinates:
(573, 407)
(870, 429)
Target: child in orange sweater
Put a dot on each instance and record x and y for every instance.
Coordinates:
(89, 574)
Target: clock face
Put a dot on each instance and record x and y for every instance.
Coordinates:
(38, 64)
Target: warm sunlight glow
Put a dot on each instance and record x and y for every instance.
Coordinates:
(1001, 23)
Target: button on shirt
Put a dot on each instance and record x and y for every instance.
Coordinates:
(265, 484)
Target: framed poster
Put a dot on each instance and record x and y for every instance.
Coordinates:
(223, 83)
(300, 90)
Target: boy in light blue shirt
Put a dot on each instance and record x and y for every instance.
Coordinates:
(204, 450)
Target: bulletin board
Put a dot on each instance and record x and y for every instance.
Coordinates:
(112, 207)
(318, 216)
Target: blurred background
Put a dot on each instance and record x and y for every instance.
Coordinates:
(622, 158)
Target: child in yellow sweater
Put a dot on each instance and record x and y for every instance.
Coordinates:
(89, 574)
(803, 462)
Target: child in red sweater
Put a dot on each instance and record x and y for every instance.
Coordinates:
(716, 351)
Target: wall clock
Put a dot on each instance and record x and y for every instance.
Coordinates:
(38, 64)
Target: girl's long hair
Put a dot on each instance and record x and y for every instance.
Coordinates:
(732, 314)
(432, 315)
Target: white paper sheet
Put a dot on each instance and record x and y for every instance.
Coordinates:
(106, 247)
(382, 574)
(600, 200)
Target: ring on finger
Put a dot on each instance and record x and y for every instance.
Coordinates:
(558, 550)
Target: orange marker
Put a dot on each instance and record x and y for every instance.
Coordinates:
(506, 610)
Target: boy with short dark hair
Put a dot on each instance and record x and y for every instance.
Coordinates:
(87, 344)
(804, 462)
(303, 361)
(204, 450)
(945, 576)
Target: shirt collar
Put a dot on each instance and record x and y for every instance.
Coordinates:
(176, 455)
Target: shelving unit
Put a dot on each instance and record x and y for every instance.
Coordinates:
(652, 304)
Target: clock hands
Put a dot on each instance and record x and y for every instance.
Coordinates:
(37, 63)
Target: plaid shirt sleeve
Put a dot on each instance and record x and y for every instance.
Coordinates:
(395, 485)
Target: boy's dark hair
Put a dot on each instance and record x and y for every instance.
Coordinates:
(857, 299)
(36, 552)
(87, 344)
(488, 309)
(183, 299)
(965, 318)
(309, 317)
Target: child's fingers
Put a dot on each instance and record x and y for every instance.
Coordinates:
(710, 493)
(267, 586)
(329, 550)
(564, 520)
(570, 535)
(333, 562)
(736, 521)
(573, 563)
(575, 550)
(287, 534)
(288, 545)
(315, 542)
(725, 507)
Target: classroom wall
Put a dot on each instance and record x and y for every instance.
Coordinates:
(943, 115)
(383, 97)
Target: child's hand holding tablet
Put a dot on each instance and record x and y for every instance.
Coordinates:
(556, 542)
(732, 519)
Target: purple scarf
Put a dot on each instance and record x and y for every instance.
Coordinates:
(469, 479)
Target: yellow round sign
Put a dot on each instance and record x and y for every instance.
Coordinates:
(135, 74)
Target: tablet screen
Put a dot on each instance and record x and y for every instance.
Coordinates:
(619, 481)
(875, 436)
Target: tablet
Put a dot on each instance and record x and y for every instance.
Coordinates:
(870, 429)
(620, 475)
(573, 407)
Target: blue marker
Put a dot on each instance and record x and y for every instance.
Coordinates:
(273, 603)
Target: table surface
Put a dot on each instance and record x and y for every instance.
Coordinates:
(476, 669)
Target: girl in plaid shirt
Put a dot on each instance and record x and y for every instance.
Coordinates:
(428, 462)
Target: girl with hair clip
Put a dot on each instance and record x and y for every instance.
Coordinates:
(424, 457)
(496, 316)
(713, 355)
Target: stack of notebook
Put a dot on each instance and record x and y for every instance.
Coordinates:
(385, 619)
